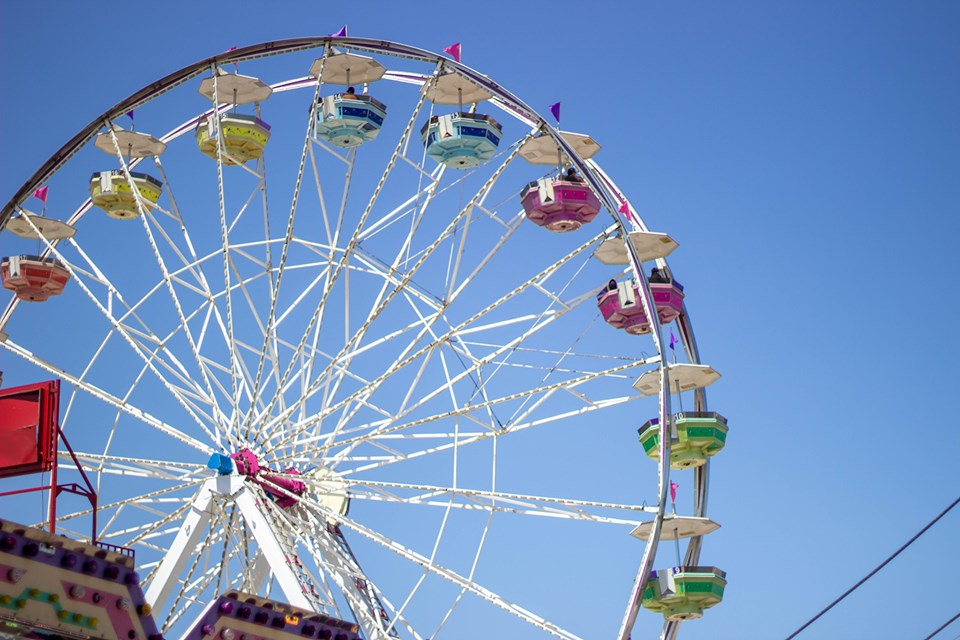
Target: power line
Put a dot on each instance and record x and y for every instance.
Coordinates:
(872, 573)
(943, 626)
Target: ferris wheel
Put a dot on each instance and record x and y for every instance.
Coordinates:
(346, 323)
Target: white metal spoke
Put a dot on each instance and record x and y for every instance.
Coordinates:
(126, 335)
(146, 219)
(464, 328)
(390, 426)
(449, 575)
(275, 288)
(339, 457)
(494, 501)
(345, 256)
(104, 396)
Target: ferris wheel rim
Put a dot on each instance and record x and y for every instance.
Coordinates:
(589, 169)
(249, 52)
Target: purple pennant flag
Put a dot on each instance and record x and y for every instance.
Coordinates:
(673, 340)
(555, 110)
(340, 34)
(130, 115)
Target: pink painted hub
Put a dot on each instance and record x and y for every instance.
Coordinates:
(559, 205)
(278, 487)
(622, 309)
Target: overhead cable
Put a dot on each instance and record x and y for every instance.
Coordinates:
(872, 573)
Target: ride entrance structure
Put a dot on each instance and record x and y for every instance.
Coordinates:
(353, 375)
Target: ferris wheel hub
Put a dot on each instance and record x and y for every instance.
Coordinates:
(326, 487)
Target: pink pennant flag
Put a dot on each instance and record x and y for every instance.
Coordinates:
(673, 491)
(555, 110)
(454, 51)
(625, 210)
(340, 34)
(236, 67)
(41, 194)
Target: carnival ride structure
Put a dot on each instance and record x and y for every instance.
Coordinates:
(384, 377)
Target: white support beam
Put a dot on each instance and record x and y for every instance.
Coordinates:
(183, 546)
(272, 549)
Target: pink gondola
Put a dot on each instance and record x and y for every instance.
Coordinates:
(559, 205)
(622, 309)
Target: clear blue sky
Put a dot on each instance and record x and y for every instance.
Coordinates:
(807, 158)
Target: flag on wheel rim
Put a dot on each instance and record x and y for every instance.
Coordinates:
(555, 110)
(454, 51)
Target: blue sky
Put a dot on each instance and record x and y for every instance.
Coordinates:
(807, 158)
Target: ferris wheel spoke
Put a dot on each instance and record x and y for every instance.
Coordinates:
(330, 549)
(163, 524)
(447, 574)
(248, 382)
(235, 369)
(404, 361)
(142, 340)
(464, 375)
(193, 267)
(149, 529)
(225, 252)
(258, 408)
(470, 576)
(333, 231)
(191, 589)
(336, 563)
(106, 397)
(299, 431)
(158, 496)
(394, 431)
(395, 215)
(269, 332)
(342, 262)
(147, 217)
(117, 325)
(384, 300)
(465, 440)
(496, 501)
(472, 373)
(189, 261)
(363, 401)
(470, 326)
(333, 239)
(142, 467)
(369, 264)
